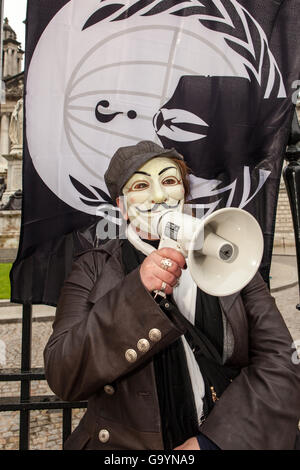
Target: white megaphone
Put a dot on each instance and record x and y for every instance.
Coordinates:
(223, 250)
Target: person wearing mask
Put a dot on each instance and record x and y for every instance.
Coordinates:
(162, 364)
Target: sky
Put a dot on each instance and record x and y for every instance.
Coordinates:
(15, 11)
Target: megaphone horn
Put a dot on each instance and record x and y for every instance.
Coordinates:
(231, 251)
(223, 251)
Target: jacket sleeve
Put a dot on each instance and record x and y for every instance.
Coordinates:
(87, 347)
(260, 409)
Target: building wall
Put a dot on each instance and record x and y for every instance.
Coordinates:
(284, 230)
(12, 87)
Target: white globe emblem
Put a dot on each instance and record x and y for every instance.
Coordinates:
(91, 91)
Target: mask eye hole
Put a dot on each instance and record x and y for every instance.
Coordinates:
(170, 181)
(139, 186)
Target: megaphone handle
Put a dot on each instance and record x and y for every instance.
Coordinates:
(159, 292)
(166, 242)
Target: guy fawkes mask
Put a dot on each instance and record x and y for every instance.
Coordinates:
(157, 186)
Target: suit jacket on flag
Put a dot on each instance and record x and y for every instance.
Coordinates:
(102, 314)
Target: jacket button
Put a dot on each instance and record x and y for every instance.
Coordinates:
(103, 436)
(109, 389)
(131, 355)
(143, 345)
(155, 334)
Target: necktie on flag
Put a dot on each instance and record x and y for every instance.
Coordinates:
(216, 79)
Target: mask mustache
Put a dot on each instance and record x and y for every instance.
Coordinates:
(159, 205)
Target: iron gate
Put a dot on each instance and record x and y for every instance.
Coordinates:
(26, 403)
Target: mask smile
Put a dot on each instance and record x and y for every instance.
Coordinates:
(158, 206)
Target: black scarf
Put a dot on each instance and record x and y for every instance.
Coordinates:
(175, 394)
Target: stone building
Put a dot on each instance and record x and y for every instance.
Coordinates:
(12, 87)
(12, 52)
(284, 239)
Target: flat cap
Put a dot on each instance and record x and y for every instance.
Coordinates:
(127, 160)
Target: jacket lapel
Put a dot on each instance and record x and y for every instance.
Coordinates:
(234, 310)
(227, 302)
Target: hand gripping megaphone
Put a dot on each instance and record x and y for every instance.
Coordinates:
(223, 250)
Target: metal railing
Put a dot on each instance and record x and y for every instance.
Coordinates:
(25, 403)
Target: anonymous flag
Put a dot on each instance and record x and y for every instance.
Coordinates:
(212, 78)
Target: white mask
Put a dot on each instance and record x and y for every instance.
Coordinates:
(155, 187)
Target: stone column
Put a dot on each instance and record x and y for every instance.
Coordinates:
(9, 60)
(12, 71)
(15, 61)
(10, 223)
(5, 64)
(4, 140)
(19, 63)
(13, 64)
(14, 173)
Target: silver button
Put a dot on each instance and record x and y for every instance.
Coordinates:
(103, 435)
(155, 334)
(131, 355)
(167, 305)
(109, 389)
(143, 345)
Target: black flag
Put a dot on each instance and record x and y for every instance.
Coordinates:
(216, 79)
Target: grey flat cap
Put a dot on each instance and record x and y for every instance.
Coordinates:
(129, 159)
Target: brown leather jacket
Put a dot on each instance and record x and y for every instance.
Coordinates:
(102, 314)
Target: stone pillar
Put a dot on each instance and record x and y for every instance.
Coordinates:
(5, 64)
(19, 63)
(13, 62)
(9, 62)
(10, 223)
(14, 172)
(4, 140)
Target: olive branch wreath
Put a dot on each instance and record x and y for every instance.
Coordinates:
(229, 18)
